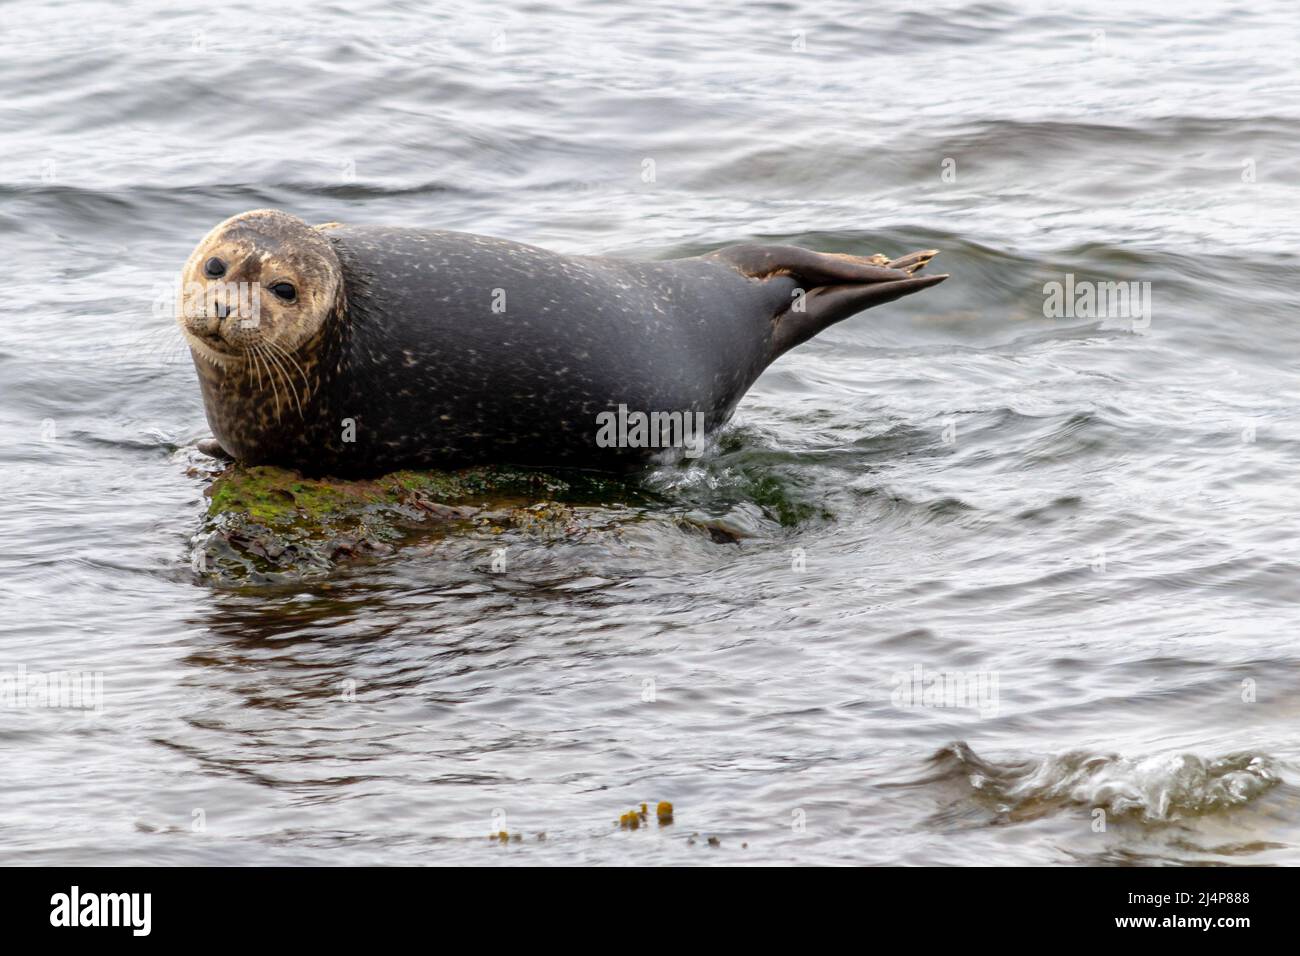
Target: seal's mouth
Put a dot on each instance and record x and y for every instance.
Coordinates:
(212, 347)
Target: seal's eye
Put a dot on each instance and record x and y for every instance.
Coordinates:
(285, 290)
(214, 268)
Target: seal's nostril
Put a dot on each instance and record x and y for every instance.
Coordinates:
(222, 311)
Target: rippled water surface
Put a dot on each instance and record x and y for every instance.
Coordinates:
(1090, 524)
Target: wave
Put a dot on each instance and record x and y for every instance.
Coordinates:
(1158, 788)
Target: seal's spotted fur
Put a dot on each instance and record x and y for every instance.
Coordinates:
(420, 348)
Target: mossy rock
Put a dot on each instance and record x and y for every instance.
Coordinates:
(265, 523)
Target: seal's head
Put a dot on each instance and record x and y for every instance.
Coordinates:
(262, 282)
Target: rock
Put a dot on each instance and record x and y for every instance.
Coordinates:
(266, 524)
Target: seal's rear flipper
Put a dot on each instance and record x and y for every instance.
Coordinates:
(828, 286)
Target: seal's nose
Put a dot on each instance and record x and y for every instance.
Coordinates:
(222, 309)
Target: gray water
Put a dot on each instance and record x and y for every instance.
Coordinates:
(1088, 523)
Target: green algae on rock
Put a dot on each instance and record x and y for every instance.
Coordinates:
(266, 523)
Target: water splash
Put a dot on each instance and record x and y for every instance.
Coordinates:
(1157, 788)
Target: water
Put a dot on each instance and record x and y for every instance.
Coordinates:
(1090, 521)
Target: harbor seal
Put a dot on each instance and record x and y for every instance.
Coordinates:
(356, 350)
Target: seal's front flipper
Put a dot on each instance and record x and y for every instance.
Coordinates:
(828, 286)
(212, 448)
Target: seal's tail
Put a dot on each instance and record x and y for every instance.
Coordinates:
(829, 286)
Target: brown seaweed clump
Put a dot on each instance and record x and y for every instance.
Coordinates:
(633, 819)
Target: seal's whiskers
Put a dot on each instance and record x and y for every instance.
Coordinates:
(284, 353)
(163, 345)
(288, 382)
(258, 369)
(275, 389)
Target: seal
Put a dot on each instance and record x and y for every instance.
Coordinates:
(356, 350)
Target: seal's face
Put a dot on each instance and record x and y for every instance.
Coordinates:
(259, 286)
